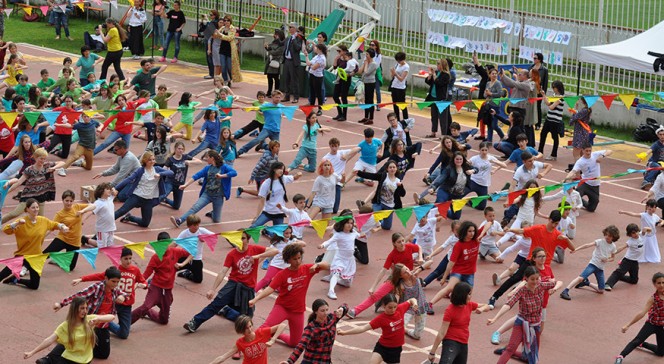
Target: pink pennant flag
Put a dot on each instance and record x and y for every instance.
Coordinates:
(97, 2)
(113, 253)
(285, 10)
(62, 7)
(362, 219)
(301, 223)
(8, 11)
(44, 9)
(15, 264)
(210, 240)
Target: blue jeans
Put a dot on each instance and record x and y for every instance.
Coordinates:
(337, 199)
(385, 224)
(158, 31)
(650, 176)
(438, 272)
(510, 212)
(201, 147)
(204, 200)
(443, 196)
(378, 84)
(468, 278)
(134, 201)
(225, 297)
(124, 317)
(481, 191)
(226, 66)
(61, 20)
(304, 152)
(170, 186)
(111, 139)
(169, 37)
(264, 218)
(494, 126)
(264, 134)
(505, 147)
(124, 194)
(599, 275)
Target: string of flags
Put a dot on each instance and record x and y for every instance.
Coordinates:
(234, 237)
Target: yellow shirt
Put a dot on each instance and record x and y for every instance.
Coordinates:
(12, 72)
(29, 236)
(114, 44)
(73, 222)
(81, 351)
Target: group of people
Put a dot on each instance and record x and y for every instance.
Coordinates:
(148, 180)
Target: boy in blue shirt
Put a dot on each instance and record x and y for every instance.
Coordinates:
(656, 153)
(522, 142)
(272, 127)
(369, 149)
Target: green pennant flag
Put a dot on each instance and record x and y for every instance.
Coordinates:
(549, 188)
(32, 117)
(160, 247)
(647, 95)
(476, 200)
(571, 100)
(63, 259)
(619, 175)
(404, 215)
(255, 233)
(422, 105)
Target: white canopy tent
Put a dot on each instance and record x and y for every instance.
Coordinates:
(631, 54)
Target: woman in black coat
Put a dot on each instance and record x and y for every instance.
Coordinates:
(453, 183)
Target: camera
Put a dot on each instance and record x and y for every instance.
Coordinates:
(658, 64)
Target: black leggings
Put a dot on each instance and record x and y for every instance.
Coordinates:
(32, 283)
(514, 279)
(620, 274)
(316, 89)
(369, 91)
(640, 339)
(592, 192)
(253, 125)
(65, 140)
(196, 269)
(102, 349)
(340, 96)
(453, 352)
(399, 95)
(362, 253)
(113, 58)
(272, 79)
(59, 245)
(440, 118)
(553, 128)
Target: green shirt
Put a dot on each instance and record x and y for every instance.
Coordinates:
(161, 100)
(22, 90)
(75, 94)
(259, 114)
(187, 112)
(45, 85)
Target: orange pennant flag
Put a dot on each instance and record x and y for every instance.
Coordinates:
(460, 104)
(306, 109)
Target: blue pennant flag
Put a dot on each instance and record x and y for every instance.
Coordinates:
(90, 255)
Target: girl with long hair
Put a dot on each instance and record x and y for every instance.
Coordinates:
(324, 189)
(389, 190)
(227, 146)
(160, 146)
(253, 344)
(178, 162)
(407, 285)
(342, 268)
(186, 107)
(309, 139)
(453, 183)
(272, 192)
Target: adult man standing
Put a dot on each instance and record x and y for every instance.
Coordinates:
(544, 82)
(291, 64)
(588, 166)
(146, 77)
(210, 27)
(124, 166)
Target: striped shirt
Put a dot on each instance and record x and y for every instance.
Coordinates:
(556, 115)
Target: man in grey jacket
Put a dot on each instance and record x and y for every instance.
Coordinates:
(289, 83)
(125, 165)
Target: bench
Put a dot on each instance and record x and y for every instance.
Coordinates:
(97, 12)
(195, 39)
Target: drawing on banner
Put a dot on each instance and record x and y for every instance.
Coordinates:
(508, 27)
(517, 29)
(549, 35)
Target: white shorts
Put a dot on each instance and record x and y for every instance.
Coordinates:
(105, 239)
(364, 166)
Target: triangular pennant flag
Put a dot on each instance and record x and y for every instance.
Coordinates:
(380, 215)
(70, 116)
(532, 191)
(442, 105)
(255, 233)
(115, 4)
(630, 170)
(63, 7)
(90, 255)
(571, 100)
(362, 219)
(36, 262)
(9, 117)
(568, 185)
(277, 229)
(404, 215)
(82, 5)
(328, 107)
(63, 259)
(285, 10)
(532, 100)
(44, 9)
(422, 105)
(307, 109)
(478, 103)
(211, 239)
(167, 112)
(549, 188)
(320, 226)
(401, 105)
(608, 100)
(3, 192)
(366, 106)
(9, 11)
(113, 253)
(51, 116)
(308, 223)
(457, 205)
(143, 112)
(251, 108)
(443, 208)
(661, 94)
(648, 95)
(627, 99)
(28, 11)
(90, 113)
(553, 99)
(189, 244)
(422, 210)
(460, 104)
(498, 195)
(160, 247)
(138, 248)
(233, 237)
(591, 100)
(289, 112)
(14, 264)
(513, 195)
(32, 117)
(617, 175)
(476, 200)
(515, 100)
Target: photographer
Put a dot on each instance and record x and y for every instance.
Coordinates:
(95, 41)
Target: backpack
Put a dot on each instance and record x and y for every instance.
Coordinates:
(646, 132)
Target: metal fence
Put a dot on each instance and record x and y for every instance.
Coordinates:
(405, 24)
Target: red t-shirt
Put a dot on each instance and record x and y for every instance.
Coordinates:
(405, 257)
(545, 239)
(6, 137)
(459, 319)
(128, 280)
(292, 286)
(243, 266)
(124, 119)
(546, 274)
(392, 327)
(164, 269)
(255, 351)
(60, 120)
(464, 256)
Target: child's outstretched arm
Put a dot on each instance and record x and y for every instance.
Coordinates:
(629, 213)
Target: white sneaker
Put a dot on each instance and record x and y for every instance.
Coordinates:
(62, 172)
(78, 163)
(332, 295)
(24, 272)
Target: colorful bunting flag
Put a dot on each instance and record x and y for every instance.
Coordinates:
(422, 210)
(138, 248)
(234, 237)
(160, 247)
(404, 215)
(627, 99)
(362, 219)
(90, 255)
(113, 253)
(320, 226)
(36, 262)
(381, 215)
(189, 244)
(14, 264)
(255, 233)
(608, 100)
(457, 205)
(63, 259)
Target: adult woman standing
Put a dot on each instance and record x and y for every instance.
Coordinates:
(438, 80)
(30, 232)
(213, 48)
(60, 16)
(494, 89)
(146, 185)
(176, 22)
(368, 71)
(453, 182)
(275, 52)
(580, 121)
(389, 190)
(554, 120)
(114, 37)
(316, 77)
(158, 15)
(72, 216)
(399, 75)
(137, 18)
(378, 59)
(230, 61)
(76, 334)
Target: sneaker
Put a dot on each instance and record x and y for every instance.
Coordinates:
(319, 112)
(125, 218)
(496, 279)
(11, 281)
(162, 59)
(44, 360)
(430, 308)
(254, 133)
(427, 181)
(359, 203)
(78, 163)
(416, 198)
(619, 359)
(24, 272)
(62, 172)
(259, 147)
(551, 158)
(608, 288)
(351, 313)
(238, 192)
(136, 57)
(495, 338)
(359, 180)
(482, 256)
(190, 326)
(646, 185)
(176, 221)
(479, 138)
(565, 295)
(332, 295)
(208, 77)
(174, 60)
(560, 252)
(186, 274)
(266, 264)
(208, 214)
(492, 302)
(230, 83)
(499, 351)
(411, 334)
(584, 283)
(369, 122)
(237, 356)
(137, 134)
(223, 310)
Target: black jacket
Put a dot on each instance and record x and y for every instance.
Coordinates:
(381, 177)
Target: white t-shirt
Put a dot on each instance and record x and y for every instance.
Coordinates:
(352, 65)
(564, 223)
(635, 249)
(338, 164)
(278, 260)
(521, 176)
(483, 175)
(387, 191)
(527, 210)
(425, 236)
(325, 188)
(650, 221)
(188, 234)
(400, 70)
(148, 186)
(365, 231)
(276, 195)
(105, 212)
(295, 215)
(397, 134)
(603, 250)
(488, 239)
(589, 167)
(451, 241)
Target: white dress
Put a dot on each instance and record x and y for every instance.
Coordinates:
(651, 246)
(343, 262)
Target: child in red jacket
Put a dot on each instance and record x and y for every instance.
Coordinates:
(160, 291)
(131, 278)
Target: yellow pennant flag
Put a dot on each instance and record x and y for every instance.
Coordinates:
(81, 5)
(402, 105)
(167, 112)
(138, 248)
(380, 215)
(37, 262)
(251, 108)
(531, 191)
(320, 226)
(233, 237)
(360, 39)
(554, 99)
(459, 204)
(627, 99)
(328, 107)
(131, 2)
(478, 103)
(90, 113)
(9, 117)
(28, 10)
(642, 156)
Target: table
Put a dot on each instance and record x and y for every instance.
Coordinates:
(244, 39)
(412, 82)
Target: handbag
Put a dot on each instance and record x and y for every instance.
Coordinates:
(274, 63)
